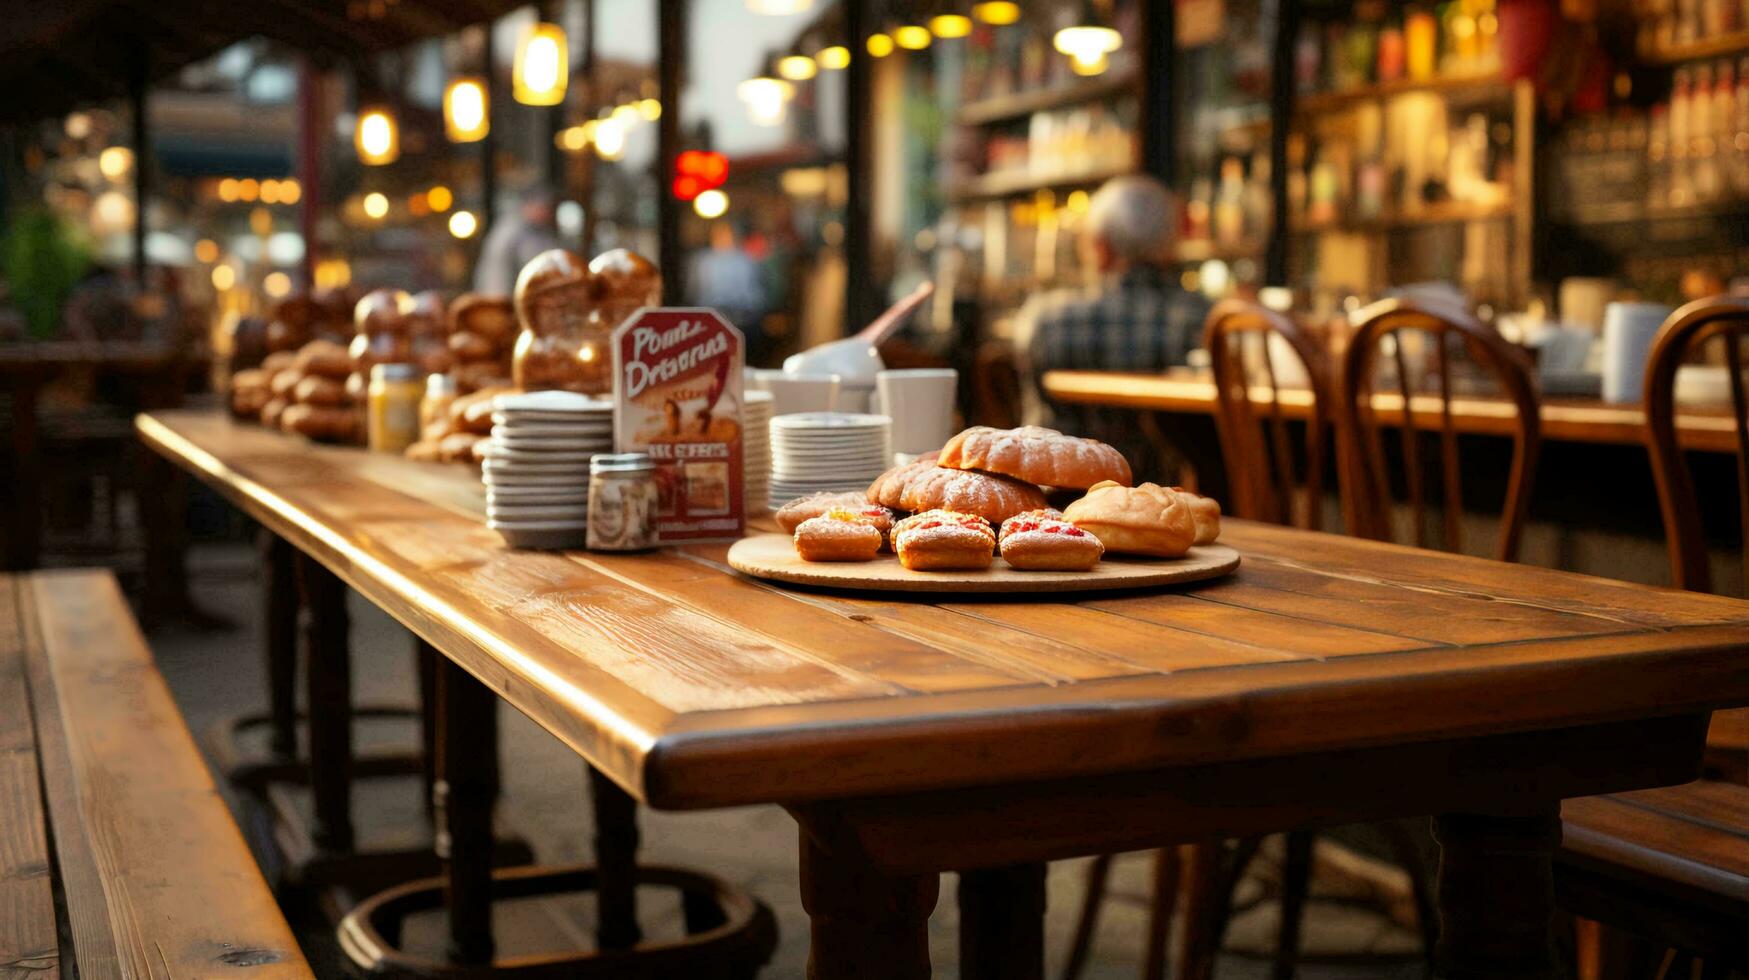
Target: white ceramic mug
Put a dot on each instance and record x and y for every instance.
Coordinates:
(1628, 330)
(920, 401)
(792, 393)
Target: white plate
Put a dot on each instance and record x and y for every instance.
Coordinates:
(550, 431)
(550, 401)
(544, 536)
(502, 514)
(536, 497)
(547, 482)
(577, 457)
(830, 420)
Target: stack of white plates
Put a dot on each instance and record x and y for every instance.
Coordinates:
(537, 466)
(756, 451)
(819, 451)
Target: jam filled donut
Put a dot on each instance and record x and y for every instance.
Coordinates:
(791, 515)
(944, 539)
(837, 535)
(1043, 541)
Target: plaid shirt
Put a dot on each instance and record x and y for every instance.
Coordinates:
(1140, 321)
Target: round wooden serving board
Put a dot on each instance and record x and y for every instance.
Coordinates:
(773, 557)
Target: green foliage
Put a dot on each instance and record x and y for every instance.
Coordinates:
(41, 258)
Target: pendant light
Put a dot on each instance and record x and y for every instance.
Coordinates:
(996, 12)
(767, 97)
(1087, 42)
(542, 66)
(466, 110)
(950, 26)
(376, 136)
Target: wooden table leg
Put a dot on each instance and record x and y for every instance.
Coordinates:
(1496, 895)
(865, 925)
(1002, 917)
(328, 668)
(463, 799)
(279, 600)
(616, 862)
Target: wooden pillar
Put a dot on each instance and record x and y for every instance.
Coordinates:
(1159, 115)
(139, 85)
(670, 73)
(860, 299)
(1281, 116)
(309, 164)
(1002, 918)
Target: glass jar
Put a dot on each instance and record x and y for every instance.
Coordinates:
(622, 502)
(382, 336)
(393, 397)
(558, 348)
(440, 393)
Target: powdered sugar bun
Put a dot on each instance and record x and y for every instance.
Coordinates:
(1037, 455)
(888, 489)
(791, 515)
(994, 498)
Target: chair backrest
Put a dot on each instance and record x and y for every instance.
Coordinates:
(996, 386)
(1725, 319)
(1264, 478)
(1366, 487)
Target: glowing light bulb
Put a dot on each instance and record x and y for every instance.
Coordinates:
(542, 68)
(376, 205)
(376, 138)
(463, 224)
(610, 139)
(879, 45)
(710, 204)
(465, 119)
(439, 198)
(834, 58)
(997, 12)
(797, 67)
(115, 161)
(1087, 46)
(767, 99)
(912, 37)
(950, 25)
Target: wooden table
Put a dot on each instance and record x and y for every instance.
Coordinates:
(1329, 680)
(1563, 419)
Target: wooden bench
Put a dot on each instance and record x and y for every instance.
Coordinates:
(118, 858)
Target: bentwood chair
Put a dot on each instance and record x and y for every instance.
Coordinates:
(1672, 865)
(1385, 330)
(1723, 322)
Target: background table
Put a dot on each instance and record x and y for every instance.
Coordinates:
(1329, 680)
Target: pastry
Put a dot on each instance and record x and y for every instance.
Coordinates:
(473, 412)
(791, 515)
(1145, 520)
(1042, 540)
(944, 539)
(319, 422)
(837, 535)
(994, 498)
(326, 358)
(458, 447)
(491, 317)
(480, 376)
(1207, 512)
(888, 489)
(1045, 457)
(273, 411)
(315, 390)
(425, 451)
(469, 346)
(279, 360)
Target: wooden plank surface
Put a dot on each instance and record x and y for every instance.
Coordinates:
(156, 877)
(693, 686)
(28, 944)
(1563, 419)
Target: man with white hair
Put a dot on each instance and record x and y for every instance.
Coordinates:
(1136, 318)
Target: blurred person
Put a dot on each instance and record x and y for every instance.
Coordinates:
(1135, 318)
(729, 280)
(514, 239)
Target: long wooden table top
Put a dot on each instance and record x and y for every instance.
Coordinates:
(693, 686)
(1563, 419)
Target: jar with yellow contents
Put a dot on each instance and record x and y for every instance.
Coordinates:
(393, 398)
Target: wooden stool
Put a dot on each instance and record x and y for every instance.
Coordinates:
(304, 600)
(729, 934)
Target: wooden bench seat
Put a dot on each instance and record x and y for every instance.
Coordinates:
(1670, 864)
(109, 820)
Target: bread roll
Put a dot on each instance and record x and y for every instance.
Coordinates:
(1145, 520)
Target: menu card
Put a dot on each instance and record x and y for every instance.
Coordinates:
(677, 397)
